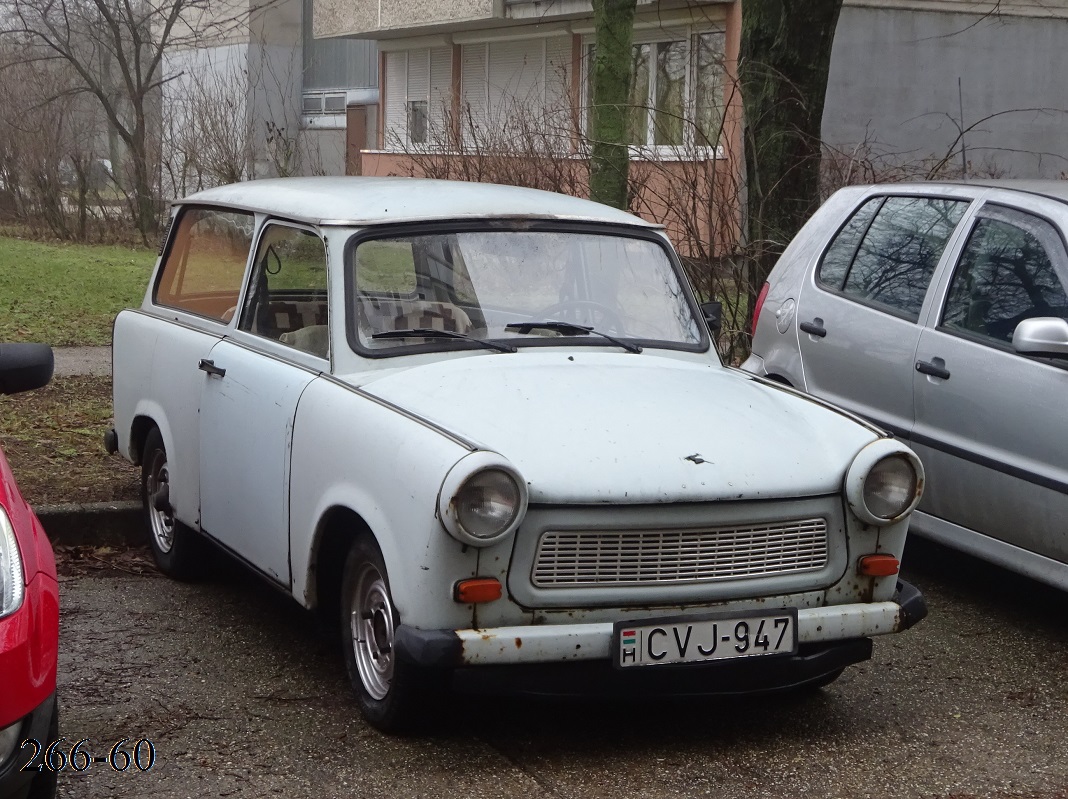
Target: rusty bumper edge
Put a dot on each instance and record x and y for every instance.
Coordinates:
(913, 606)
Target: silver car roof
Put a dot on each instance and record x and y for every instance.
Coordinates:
(1053, 189)
(377, 200)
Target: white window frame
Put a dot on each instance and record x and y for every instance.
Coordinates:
(652, 38)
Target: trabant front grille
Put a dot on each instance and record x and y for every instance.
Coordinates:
(602, 558)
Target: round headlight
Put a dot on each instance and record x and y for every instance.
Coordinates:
(890, 487)
(884, 482)
(487, 503)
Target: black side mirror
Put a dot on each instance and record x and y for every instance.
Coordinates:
(713, 312)
(24, 367)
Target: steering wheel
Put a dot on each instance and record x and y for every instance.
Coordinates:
(597, 315)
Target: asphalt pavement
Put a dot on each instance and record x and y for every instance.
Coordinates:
(70, 361)
(240, 695)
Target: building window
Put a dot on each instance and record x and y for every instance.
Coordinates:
(677, 97)
(417, 121)
(418, 85)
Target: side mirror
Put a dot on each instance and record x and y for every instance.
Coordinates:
(24, 367)
(713, 312)
(1042, 335)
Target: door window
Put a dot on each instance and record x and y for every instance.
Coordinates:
(205, 264)
(1007, 273)
(887, 253)
(287, 293)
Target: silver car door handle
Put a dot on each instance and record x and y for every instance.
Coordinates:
(932, 369)
(211, 368)
(815, 328)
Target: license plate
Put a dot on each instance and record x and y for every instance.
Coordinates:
(659, 642)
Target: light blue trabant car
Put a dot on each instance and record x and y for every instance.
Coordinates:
(939, 311)
(483, 430)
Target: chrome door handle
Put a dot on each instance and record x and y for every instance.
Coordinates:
(815, 328)
(211, 368)
(932, 369)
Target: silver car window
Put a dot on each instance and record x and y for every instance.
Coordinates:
(892, 263)
(1006, 273)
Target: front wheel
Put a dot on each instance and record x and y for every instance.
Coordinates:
(175, 548)
(393, 695)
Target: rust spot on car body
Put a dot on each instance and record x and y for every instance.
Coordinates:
(518, 643)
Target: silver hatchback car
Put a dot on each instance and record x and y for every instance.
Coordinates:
(939, 311)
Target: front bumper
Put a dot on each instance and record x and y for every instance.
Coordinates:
(15, 784)
(821, 627)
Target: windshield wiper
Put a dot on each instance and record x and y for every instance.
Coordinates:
(570, 329)
(429, 332)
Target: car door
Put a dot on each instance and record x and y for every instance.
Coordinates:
(858, 313)
(991, 427)
(193, 300)
(252, 384)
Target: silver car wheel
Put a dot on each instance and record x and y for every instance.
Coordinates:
(373, 633)
(159, 507)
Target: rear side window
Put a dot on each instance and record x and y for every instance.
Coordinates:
(1007, 273)
(887, 253)
(205, 266)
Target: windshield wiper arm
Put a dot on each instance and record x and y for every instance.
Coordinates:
(570, 329)
(429, 332)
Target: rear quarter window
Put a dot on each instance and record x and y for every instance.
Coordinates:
(886, 254)
(204, 268)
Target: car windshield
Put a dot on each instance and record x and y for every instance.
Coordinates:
(590, 289)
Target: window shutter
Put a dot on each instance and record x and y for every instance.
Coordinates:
(440, 89)
(559, 112)
(516, 80)
(473, 108)
(396, 79)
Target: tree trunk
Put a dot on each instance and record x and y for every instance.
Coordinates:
(609, 159)
(783, 67)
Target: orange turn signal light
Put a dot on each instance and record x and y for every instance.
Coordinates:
(478, 589)
(878, 565)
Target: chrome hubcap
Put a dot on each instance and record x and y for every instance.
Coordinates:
(371, 619)
(159, 505)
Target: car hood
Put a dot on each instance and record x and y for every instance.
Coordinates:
(586, 427)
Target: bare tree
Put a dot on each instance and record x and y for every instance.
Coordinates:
(116, 49)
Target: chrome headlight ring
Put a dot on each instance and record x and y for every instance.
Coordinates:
(482, 499)
(884, 483)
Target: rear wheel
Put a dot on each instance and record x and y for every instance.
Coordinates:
(176, 549)
(393, 695)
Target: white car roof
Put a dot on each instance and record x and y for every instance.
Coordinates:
(376, 200)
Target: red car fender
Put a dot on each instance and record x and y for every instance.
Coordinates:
(29, 637)
(29, 647)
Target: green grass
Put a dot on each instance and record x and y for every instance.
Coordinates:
(67, 294)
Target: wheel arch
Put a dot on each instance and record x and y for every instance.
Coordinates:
(338, 527)
(140, 428)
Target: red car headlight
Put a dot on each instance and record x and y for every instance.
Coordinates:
(12, 583)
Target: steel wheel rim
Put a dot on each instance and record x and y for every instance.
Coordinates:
(159, 482)
(373, 633)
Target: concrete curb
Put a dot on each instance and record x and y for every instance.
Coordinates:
(96, 523)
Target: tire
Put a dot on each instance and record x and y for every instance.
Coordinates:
(177, 550)
(44, 784)
(393, 695)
